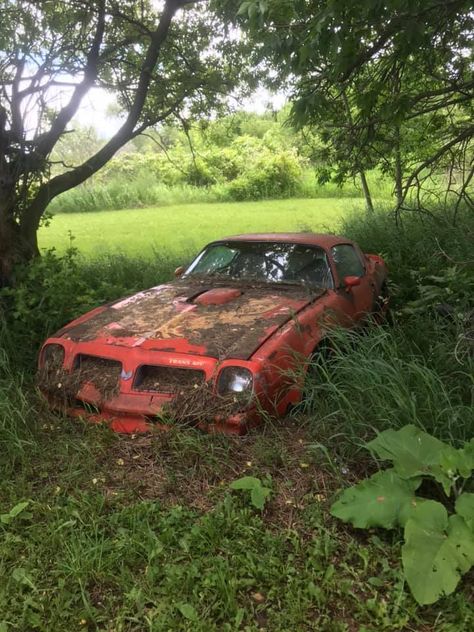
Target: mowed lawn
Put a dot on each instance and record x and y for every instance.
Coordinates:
(186, 228)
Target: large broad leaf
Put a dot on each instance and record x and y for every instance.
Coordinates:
(188, 611)
(437, 551)
(384, 500)
(416, 453)
(258, 492)
(465, 508)
(13, 513)
(465, 464)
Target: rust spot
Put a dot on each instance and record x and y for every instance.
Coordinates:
(233, 329)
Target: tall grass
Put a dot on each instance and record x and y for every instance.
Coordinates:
(142, 191)
(407, 373)
(17, 407)
(419, 369)
(382, 380)
(415, 245)
(110, 540)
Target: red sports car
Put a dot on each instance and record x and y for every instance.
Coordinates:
(220, 346)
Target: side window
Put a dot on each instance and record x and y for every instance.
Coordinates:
(347, 261)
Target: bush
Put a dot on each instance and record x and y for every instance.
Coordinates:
(248, 169)
(270, 176)
(55, 289)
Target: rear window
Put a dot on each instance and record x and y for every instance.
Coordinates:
(347, 261)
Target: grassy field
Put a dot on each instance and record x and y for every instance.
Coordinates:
(186, 228)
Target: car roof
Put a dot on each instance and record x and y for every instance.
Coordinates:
(323, 240)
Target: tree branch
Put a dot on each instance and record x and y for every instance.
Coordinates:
(47, 141)
(465, 134)
(63, 182)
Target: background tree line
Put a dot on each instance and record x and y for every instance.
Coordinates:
(386, 84)
(241, 156)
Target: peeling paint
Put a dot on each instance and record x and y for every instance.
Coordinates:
(232, 329)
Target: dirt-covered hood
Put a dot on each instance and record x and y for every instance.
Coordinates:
(189, 317)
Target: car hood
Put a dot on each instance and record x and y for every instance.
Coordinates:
(194, 317)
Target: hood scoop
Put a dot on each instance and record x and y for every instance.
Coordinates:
(218, 296)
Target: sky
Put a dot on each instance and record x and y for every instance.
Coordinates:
(95, 109)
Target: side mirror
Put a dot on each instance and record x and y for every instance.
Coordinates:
(179, 271)
(350, 282)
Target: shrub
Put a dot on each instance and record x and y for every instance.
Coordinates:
(438, 548)
(54, 289)
(268, 176)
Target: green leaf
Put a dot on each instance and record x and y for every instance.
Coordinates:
(259, 496)
(413, 452)
(465, 508)
(243, 9)
(466, 459)
(437, 551)
(258, 492)
(14, 512)
(188, 611)
(246, 482)
(21, 575)
(384, 500)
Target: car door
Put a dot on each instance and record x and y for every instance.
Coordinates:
(354, 285)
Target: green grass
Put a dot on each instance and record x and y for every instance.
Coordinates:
(186, 228)
(112, 190)
(127, 535)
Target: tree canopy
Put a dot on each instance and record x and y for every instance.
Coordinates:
(162, 60)
(387, 83)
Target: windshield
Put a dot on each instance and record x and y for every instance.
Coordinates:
(265, 262)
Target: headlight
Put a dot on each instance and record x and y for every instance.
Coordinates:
(52, 357)
(235, 380)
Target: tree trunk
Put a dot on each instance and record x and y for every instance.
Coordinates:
(18, 230)
(365, 188)
(17, 245)
(398, 175)
(363, 180)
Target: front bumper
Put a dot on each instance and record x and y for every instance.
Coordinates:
(132, 411)
(127, 417)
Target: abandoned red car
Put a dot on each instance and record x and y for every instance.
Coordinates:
(219, 347)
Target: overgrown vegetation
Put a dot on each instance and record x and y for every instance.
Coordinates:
(387, 86)
(145, 533)
(185, 531)
(438, 548)
(243, 156)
